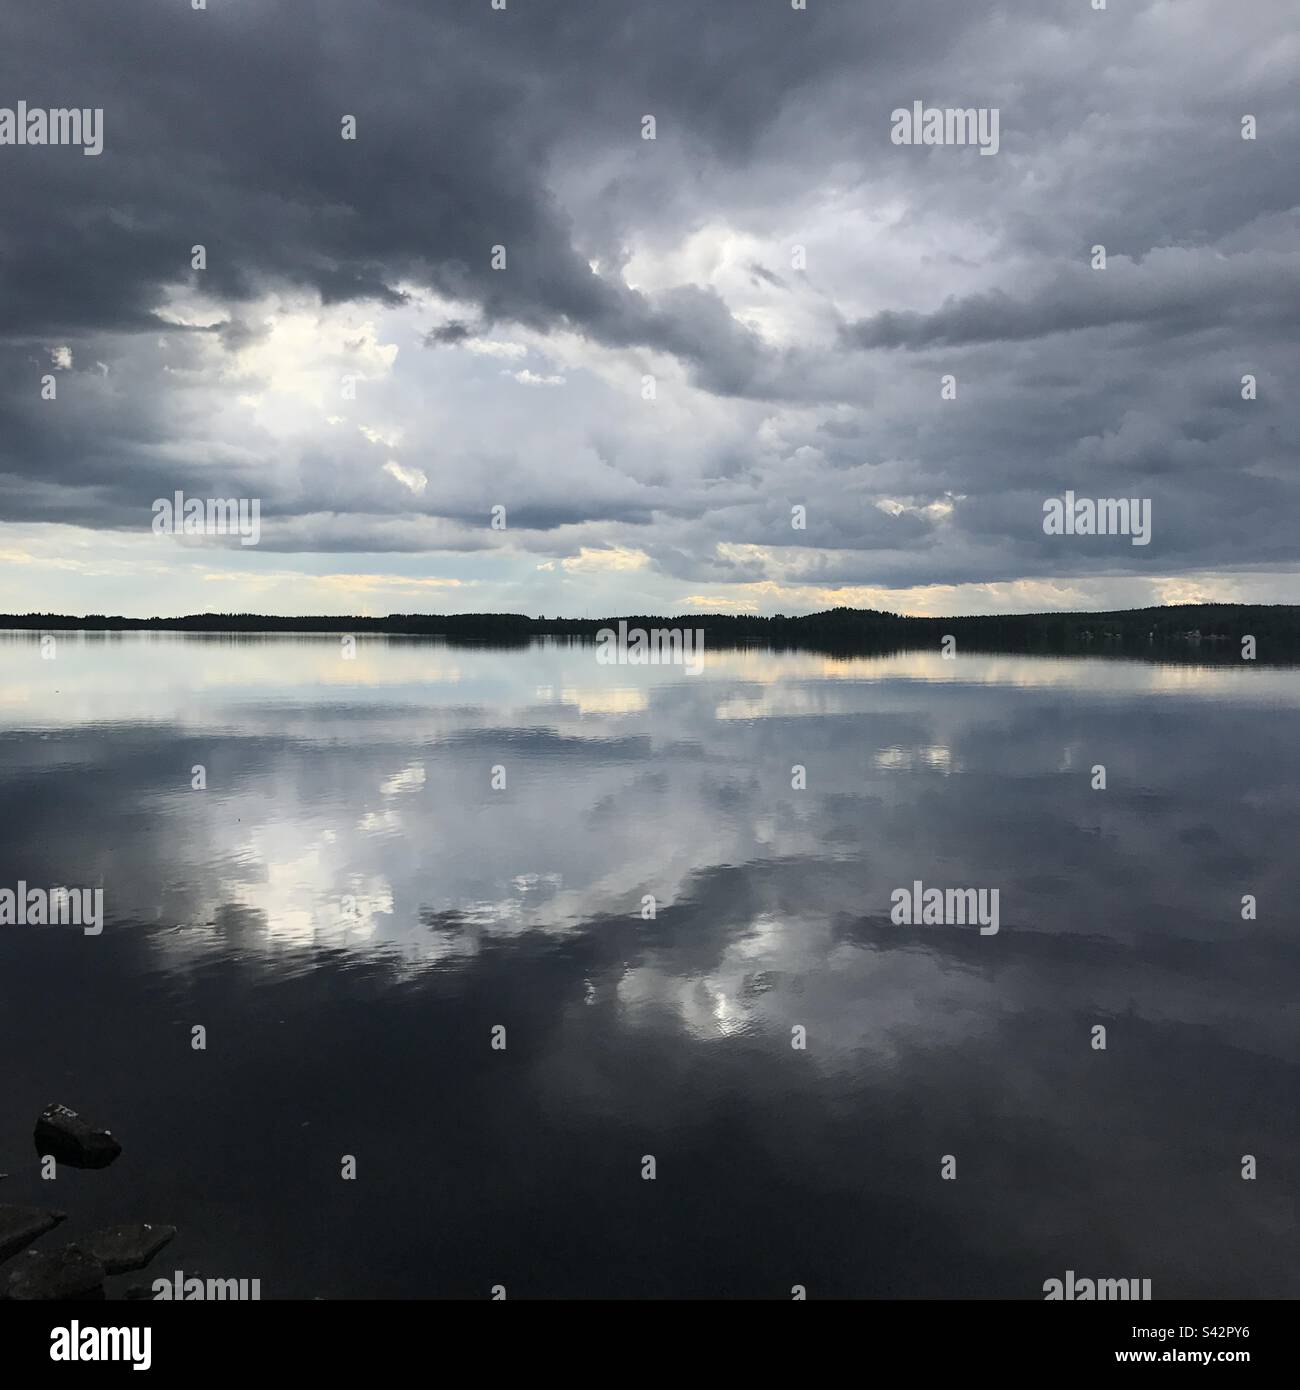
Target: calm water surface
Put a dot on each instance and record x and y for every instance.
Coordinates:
(350, 908)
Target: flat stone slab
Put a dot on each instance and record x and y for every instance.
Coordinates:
(19, 1226)
(63, 1133)
(68, 1273)
(121, 1249)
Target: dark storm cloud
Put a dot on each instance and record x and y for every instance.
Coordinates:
(223, 127)
(449, 333)
(1172, 293)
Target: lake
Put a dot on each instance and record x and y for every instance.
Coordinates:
(409, 909)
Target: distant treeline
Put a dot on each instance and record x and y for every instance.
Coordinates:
(1198, 631)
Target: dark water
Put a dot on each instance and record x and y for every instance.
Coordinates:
(364, 1028)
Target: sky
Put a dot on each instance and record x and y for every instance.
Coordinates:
(771, 305)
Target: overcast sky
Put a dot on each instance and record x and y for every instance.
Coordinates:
(796, 284)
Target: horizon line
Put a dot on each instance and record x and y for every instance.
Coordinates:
(696, 616)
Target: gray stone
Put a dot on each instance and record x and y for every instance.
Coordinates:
(121, 1249)
(19, 1226)
(68, 1273)
(64, 1134)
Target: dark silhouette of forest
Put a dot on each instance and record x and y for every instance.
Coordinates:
(1198, 631)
